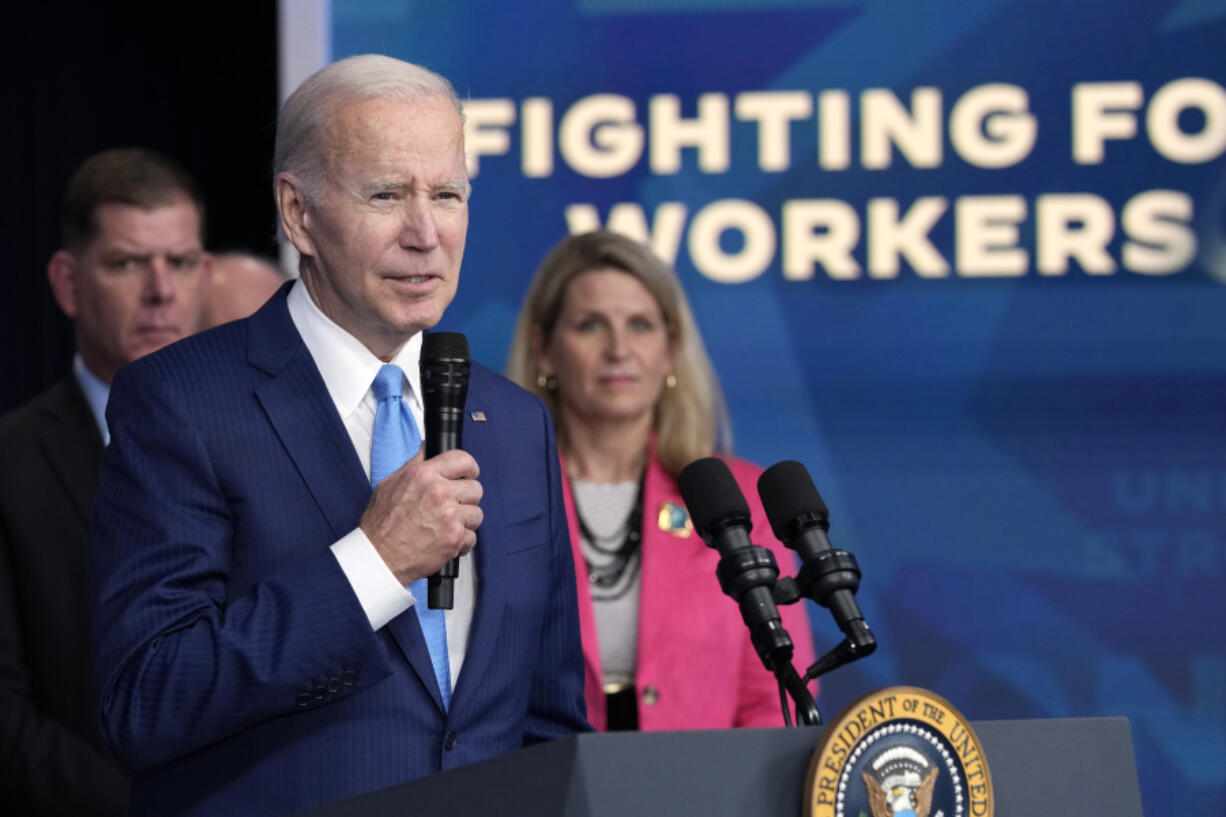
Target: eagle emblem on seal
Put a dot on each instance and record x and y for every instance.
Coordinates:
(901, 783)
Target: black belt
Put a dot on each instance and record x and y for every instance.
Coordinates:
(622, 708)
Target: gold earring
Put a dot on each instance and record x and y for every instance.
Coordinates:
(671, 381)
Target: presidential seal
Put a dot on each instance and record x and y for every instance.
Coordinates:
(899, 752)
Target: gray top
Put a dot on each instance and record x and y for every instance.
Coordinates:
(605, 509)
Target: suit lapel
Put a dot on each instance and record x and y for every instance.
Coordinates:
(480, 440)
(667, 561)
(70, 441)
(405, 630)
(301, 411)
(305, 419)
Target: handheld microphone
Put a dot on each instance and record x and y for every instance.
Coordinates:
(746, 572)
(799, 519)
(444, 388)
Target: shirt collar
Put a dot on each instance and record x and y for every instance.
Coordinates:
(96, 393)
(347, 366)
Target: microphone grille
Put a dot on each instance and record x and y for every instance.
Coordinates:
(444, 346)
(787, 492)
(710, 492)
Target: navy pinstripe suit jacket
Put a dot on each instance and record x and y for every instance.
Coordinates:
(237, 672)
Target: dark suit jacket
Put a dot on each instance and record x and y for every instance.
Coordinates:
(237, 671)
(52, 758)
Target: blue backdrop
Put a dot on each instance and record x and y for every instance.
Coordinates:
(963, 260)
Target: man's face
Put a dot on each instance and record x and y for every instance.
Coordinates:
(136, 286)
(385, 241)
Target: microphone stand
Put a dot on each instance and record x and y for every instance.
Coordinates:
(739, 571)
(791, 683)
(750, 575)
(745, 568)
(818, 580)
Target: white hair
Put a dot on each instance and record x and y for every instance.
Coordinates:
(303, 117)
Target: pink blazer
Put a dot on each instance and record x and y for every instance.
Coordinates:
(696, 668)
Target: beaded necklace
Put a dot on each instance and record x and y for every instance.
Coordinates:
(613, 579)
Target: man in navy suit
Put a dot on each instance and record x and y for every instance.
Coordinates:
(258, 649)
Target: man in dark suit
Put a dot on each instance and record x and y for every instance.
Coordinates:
(263, 643)
(131, 277)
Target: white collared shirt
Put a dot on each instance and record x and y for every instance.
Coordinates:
(348, 369)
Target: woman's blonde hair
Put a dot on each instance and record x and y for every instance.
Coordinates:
(691, 420)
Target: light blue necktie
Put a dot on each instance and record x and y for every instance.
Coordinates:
(395, 440)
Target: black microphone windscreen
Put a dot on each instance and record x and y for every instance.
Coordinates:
(444, 346)
(710, 492)
(788, 492)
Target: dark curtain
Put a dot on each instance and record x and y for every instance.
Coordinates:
(196, 81)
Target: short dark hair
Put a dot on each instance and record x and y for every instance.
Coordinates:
(135, 176)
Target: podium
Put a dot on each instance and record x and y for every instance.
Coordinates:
(1077, 767)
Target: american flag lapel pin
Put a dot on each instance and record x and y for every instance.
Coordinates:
(477, 416)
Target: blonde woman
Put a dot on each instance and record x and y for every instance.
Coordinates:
(606, 338)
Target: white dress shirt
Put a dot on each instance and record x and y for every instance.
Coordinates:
(348, 370)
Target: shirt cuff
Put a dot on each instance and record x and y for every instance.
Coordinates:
(381, 595)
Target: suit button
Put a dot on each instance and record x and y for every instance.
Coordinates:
(651, 695)
(318, 692)
(304, 699)
(334, 684)
(349, 677)
(450, 741)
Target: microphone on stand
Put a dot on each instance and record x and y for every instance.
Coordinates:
(799, 519)
(746, 572)
(444, 388)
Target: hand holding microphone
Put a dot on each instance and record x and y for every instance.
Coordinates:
(424, 516)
